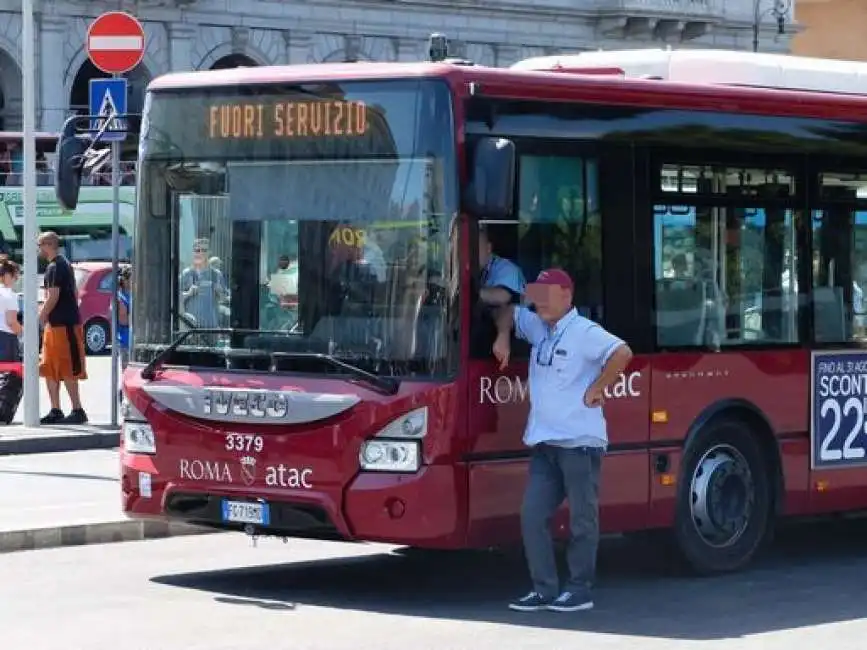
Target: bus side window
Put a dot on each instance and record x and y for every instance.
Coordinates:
(560, 224)
(839, 260)
(726, 274)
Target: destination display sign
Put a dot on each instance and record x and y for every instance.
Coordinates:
(287, 119)
(355, 120)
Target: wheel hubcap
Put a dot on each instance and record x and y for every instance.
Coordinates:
(722, 496)
(95, 337)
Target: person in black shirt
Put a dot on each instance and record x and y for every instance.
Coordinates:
(62, 357)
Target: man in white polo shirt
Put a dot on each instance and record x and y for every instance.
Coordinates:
(571, 357)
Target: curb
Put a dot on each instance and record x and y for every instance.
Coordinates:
(58, 443)
(127, 530)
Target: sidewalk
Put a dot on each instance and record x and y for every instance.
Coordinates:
(97, 434)
(68, 499)
(18, 439)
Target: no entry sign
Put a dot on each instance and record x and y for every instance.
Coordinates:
(115, 42)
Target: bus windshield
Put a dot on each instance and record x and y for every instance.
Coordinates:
(311, 219)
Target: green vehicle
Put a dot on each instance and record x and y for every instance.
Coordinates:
(85, 231)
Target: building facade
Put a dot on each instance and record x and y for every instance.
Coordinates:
(203, 34)
(832, 29)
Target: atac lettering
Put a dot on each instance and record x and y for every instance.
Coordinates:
(288, 477)
(625, 386)
(205, 470)
(510, 390)
(308, 119)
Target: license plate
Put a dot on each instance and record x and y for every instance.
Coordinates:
(245, 512)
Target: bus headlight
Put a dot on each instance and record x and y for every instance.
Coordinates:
(138, 438)
(397, 447)
(389, 455)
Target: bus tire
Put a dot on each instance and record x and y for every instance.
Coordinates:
(724, 500)
(96, 336)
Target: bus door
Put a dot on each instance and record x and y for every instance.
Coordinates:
(573, 211)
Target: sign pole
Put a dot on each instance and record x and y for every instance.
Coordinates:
(115, 254)
(31, 230)
(115, 45)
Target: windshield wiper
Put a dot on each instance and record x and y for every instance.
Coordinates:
(384, 385)
(150, 370)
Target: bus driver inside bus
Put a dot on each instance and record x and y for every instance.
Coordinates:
(502, 281)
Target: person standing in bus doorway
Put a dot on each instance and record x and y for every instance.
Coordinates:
(202, 288)
(570, 356)
(63, 357)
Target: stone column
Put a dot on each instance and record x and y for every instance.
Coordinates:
(182, 36)
(352, 48)
(297, 46)
(240, 40)
(53, 102)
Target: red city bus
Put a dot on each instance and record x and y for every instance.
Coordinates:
(718, 229)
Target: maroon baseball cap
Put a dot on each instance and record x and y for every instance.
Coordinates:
(556, 278)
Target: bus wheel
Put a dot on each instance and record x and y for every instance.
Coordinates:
(96, 336)
(724, 498)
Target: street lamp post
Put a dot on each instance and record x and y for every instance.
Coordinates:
(779, 10)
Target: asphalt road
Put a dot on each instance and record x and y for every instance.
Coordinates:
(219, 592)
(95, 393)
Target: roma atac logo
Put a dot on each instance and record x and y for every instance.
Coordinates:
(248, 470)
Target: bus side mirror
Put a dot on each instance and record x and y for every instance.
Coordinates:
(491, 192)
(71, 147)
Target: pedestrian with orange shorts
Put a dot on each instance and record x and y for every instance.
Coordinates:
(63, 358)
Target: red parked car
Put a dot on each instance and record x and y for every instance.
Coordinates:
(95, 284)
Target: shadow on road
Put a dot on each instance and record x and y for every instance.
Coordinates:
(813, 575)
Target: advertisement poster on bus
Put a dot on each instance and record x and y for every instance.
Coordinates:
(838, 404)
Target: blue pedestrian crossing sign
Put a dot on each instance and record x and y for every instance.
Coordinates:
(107, 97)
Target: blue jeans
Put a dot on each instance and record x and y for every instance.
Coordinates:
(557, 473)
